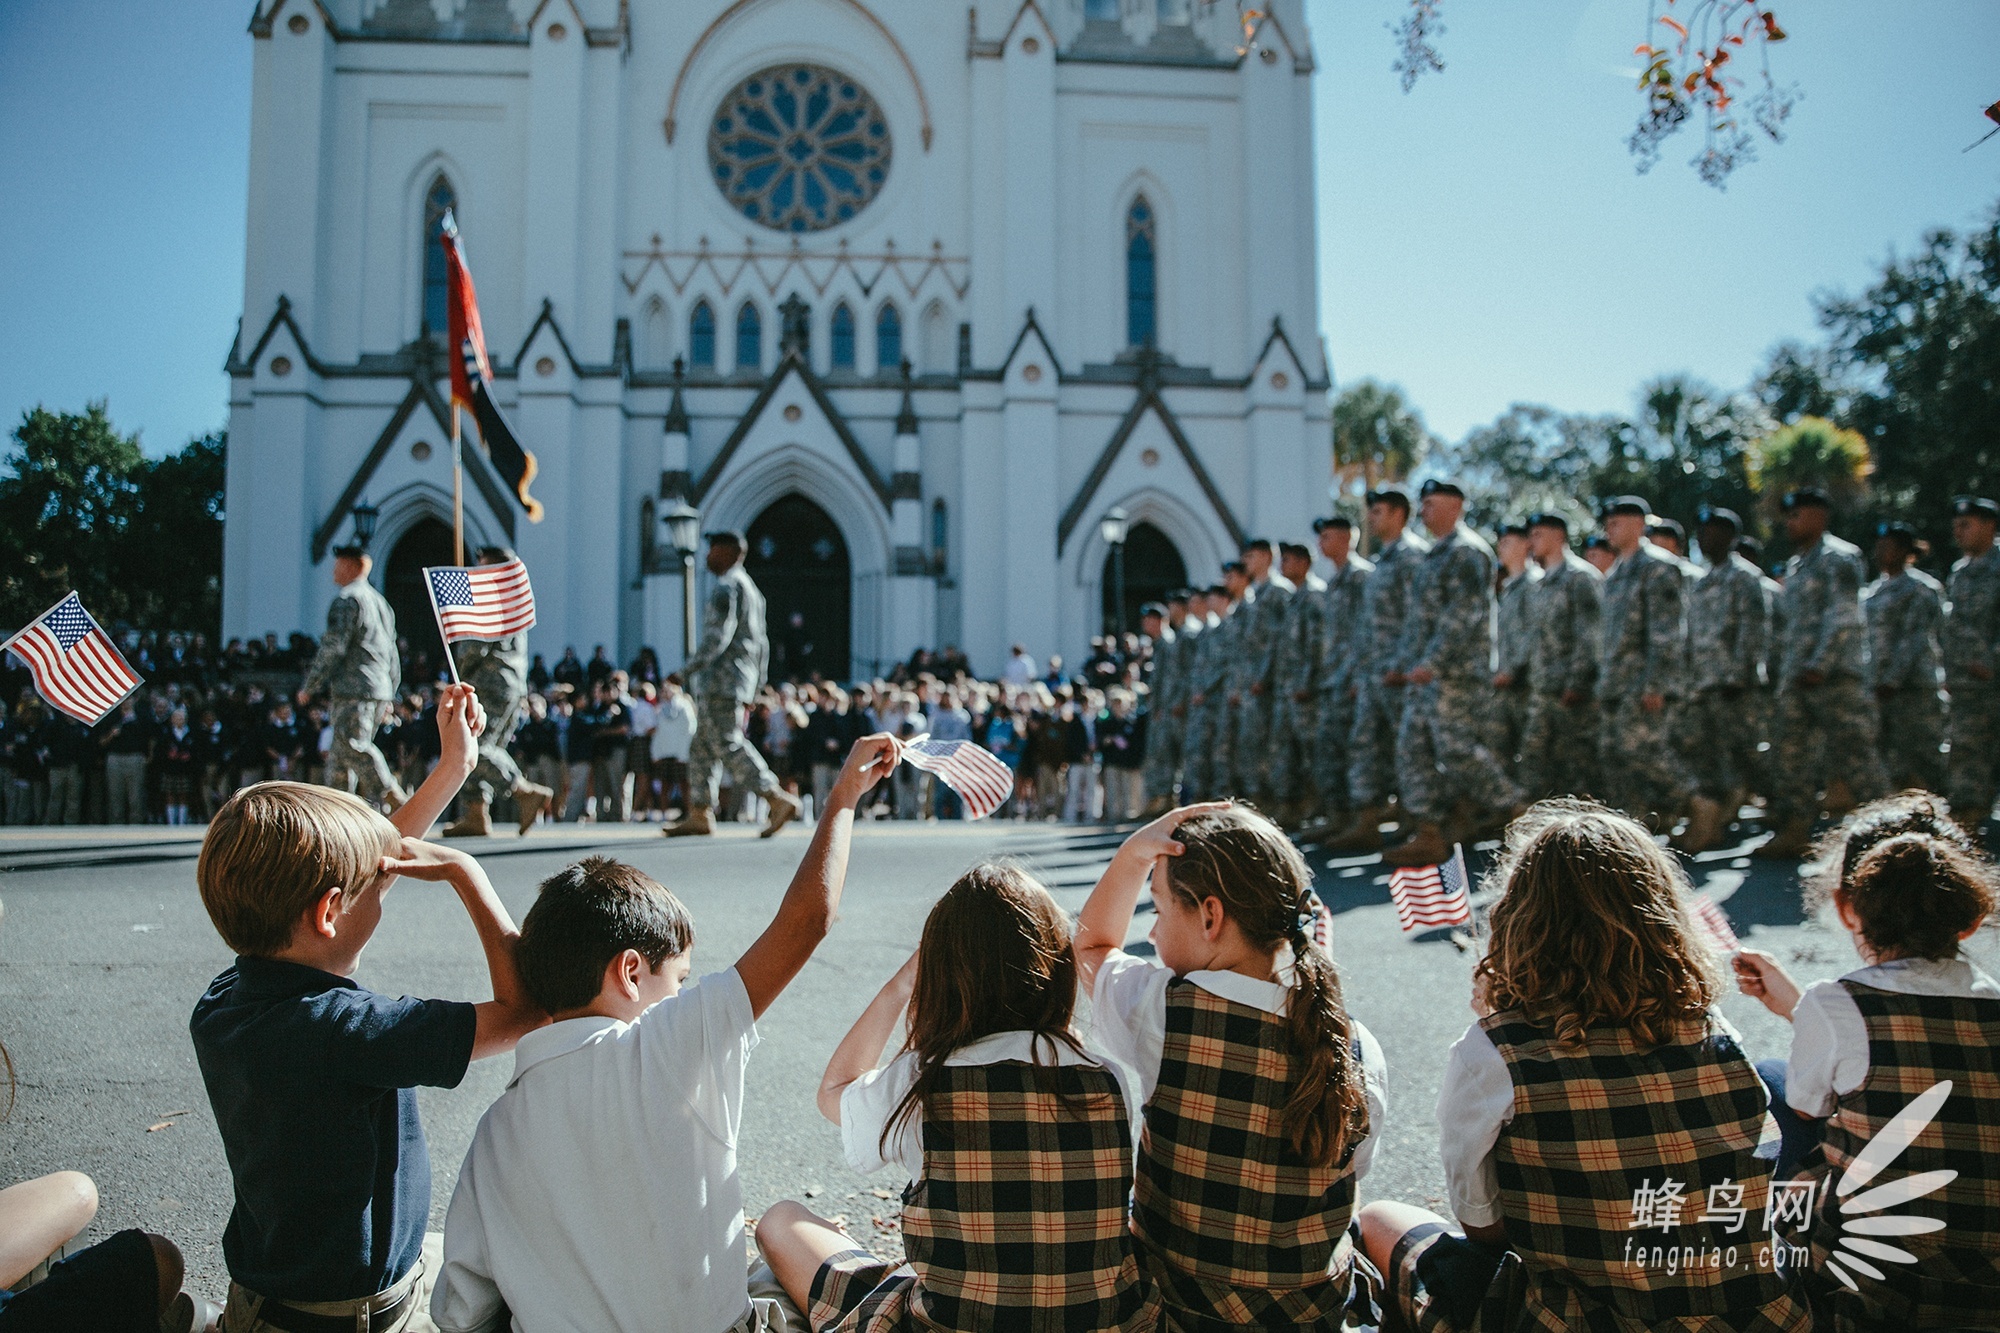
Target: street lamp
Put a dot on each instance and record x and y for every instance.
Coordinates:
(365, 516)
(1113, 527)
(683, 524)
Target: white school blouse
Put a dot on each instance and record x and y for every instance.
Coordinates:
(1128, 1015)
(1830, 1038)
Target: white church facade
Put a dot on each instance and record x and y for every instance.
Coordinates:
(913, 292)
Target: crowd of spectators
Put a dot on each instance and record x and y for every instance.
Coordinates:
(611, 741)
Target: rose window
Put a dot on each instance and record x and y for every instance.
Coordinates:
(799, 148)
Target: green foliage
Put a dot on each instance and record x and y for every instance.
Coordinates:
(82, 509)
(1811, 451)
(1377, 432)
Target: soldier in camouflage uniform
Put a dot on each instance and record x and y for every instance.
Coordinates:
(1340, 640)
(360, 671)
(1727, 633)
(1446, 654)
(1163, 726)
(1559, 737)
(1972, 658)
(1379, 685)
(1763, 711)
(1641, 666)
(1187, 651)
(724, 676)
(1250, 684)
(1207, 771)
(1904, 610)
(1826, 722)
(1295, 688)
(497, 671)
(1513, 639)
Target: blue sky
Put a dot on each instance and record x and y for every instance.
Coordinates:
(1483, 240)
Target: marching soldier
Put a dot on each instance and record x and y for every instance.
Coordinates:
(1187, 650)
(1826, 726)
(1727, 633)
(1904, 608)
(1559, 737)
(724, 676)
(1340, 639)
(1763, 772)
(1972, 654)
(358, 667)
(1446, 655)
(1295, 687)
(497, 671)
(1378, 701)
(1163, 728)
(1507, 713)
(1250, 686)
(1207, 771)
(1641, 656)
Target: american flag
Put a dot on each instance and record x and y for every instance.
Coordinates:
(484, 602)
(1432, 895)
(981, 781)
(74, 665)
(1714, 924)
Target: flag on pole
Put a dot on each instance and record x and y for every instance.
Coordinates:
(1429, 896)
(472, 376)
(981, 780)
(483, 602)
(1714, 923)
(74, 664)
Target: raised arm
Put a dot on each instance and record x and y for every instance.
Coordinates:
(861, 1049)
(807, 912)
(1107, 914)
(460, 721)
(510, 1014)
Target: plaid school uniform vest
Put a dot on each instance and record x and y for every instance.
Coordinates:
(1615, 1154)
(1913, 1042)
(1019, 1220)
(1237, 1228)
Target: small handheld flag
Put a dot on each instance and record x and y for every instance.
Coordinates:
(472, 377)
(481, 602)
(1714, 924)
(1432, 895)
(74, 664)
(981, 780)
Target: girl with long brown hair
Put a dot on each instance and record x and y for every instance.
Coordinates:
(1017, 1139)
(1598, 1122)
(1264, 1100)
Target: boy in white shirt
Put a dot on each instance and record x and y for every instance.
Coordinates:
(601, 1190)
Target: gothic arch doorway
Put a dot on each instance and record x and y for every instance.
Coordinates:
(799, 559)
(1153, 568)
(425, 542)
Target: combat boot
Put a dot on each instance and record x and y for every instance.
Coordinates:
(1426, 847)
(1792, 841)
(785, 808)
(1705, 826)
(530, 800)
(476, 822)
(1364, 834)
(698, 822)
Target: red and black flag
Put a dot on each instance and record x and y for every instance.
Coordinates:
(472, 378)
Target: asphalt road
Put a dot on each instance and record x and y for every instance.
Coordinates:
(105, 947)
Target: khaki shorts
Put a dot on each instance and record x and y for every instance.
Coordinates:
(241, 1314)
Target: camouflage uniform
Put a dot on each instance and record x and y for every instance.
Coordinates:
(1972, 643)
(497, 671)
(1207, 771)
(1559, 740)
(1727, 631)
(1250, 685)
(1764, 712)
(359, 669)
(1378, 708)
(1642, 651)
(1513, 637)
(1904, 614)
(1826, 732)
(1339, 651)
(1163, 729)
(724, 676)
(1295, 693)
(1439, 756)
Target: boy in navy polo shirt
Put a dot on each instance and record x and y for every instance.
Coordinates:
(311, 1076)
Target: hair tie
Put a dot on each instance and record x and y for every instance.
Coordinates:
(1309, 909)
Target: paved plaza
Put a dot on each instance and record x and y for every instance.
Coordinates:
(105, 947)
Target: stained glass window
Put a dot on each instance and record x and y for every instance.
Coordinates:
(888, 341)
(749, 338)
(439, 201)
(799, 148)
(843, 337)
(1141, 276)
(701, 337)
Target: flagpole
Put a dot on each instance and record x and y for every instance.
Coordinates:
(457, 505)
(430, 587)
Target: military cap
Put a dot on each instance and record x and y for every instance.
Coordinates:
(1153, 609)
(727, 536)
(1659, 523)
(1294, 549)
(349, 552)
(1518, 528)
(1235, 567)
(1597, 543)
(495, 555)
(1217, 590)
(1322, 524)
(1179, 596)
(1720, 517)
(1626, 504)
(1805, 497)
(1751, 549)
(1548, 518)
(1441, 486)
(1394, 495)
(1900, 531)
(1975, 506)
(1258, 544)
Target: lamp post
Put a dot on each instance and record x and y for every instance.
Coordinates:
(1112, 527)
(365, 516)
(683, 524)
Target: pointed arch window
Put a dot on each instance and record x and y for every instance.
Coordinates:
(655, 342)
(749, 338)
(438, 200)
(1141, 276)
(701, 337)
(841, 335)
(888, 341)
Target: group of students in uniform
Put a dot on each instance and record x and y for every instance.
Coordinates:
(1445, 682)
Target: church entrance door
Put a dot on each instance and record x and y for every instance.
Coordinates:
(799, 559)
(428, 542)
(1153, 568)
